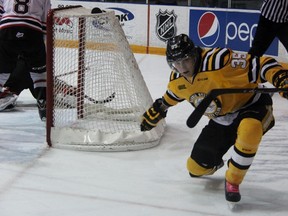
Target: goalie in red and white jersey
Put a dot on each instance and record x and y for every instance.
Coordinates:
(22, 30)
(238, 120)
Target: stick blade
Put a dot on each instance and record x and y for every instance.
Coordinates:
(199, 111)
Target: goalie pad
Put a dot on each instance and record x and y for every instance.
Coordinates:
(66, 101)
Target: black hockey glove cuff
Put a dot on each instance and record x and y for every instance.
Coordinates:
(281, 81)
(153, 115)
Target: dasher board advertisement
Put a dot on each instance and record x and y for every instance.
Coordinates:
(130, 17)
(227, 28)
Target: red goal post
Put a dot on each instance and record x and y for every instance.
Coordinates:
(96, 93)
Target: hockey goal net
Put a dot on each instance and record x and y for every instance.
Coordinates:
(96, 94)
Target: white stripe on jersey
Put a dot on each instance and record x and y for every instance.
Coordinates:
(254, 71)
(171, 94)
(263, 70)
(206, 59)
(218, 58)
(21, 23)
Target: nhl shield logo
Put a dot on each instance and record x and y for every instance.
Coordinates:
(165, 26)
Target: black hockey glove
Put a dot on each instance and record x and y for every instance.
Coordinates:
(284, 94)
(281, 81)
(153, 115)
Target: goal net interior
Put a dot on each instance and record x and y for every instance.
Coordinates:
(96, 94)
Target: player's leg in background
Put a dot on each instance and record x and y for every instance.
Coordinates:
(264, 36)
(20, 77)
(35, 56)
(8, 60)
(282, 34)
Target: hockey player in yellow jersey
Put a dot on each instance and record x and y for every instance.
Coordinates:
(236, 120)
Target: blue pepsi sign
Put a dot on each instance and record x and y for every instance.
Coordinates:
(230, 29)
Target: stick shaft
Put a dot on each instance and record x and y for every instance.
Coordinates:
(196, 115)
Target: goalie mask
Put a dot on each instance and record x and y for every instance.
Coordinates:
(182, 55)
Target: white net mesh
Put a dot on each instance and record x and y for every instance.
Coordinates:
(99, 92)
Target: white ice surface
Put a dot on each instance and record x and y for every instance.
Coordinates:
(38, 181)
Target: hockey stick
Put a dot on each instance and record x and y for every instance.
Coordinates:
(106, 100)
(65, 88)
(70, 72)
(196, 115)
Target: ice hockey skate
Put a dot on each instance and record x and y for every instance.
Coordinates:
(7, 99)
(232, 193)
(41, 104)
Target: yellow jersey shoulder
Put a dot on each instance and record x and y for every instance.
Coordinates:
(215, 59)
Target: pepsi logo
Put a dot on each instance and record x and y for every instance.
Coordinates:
(208, 29)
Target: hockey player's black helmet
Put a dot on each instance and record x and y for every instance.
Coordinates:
(179, 47)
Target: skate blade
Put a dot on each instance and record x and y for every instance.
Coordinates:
(233, 206)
